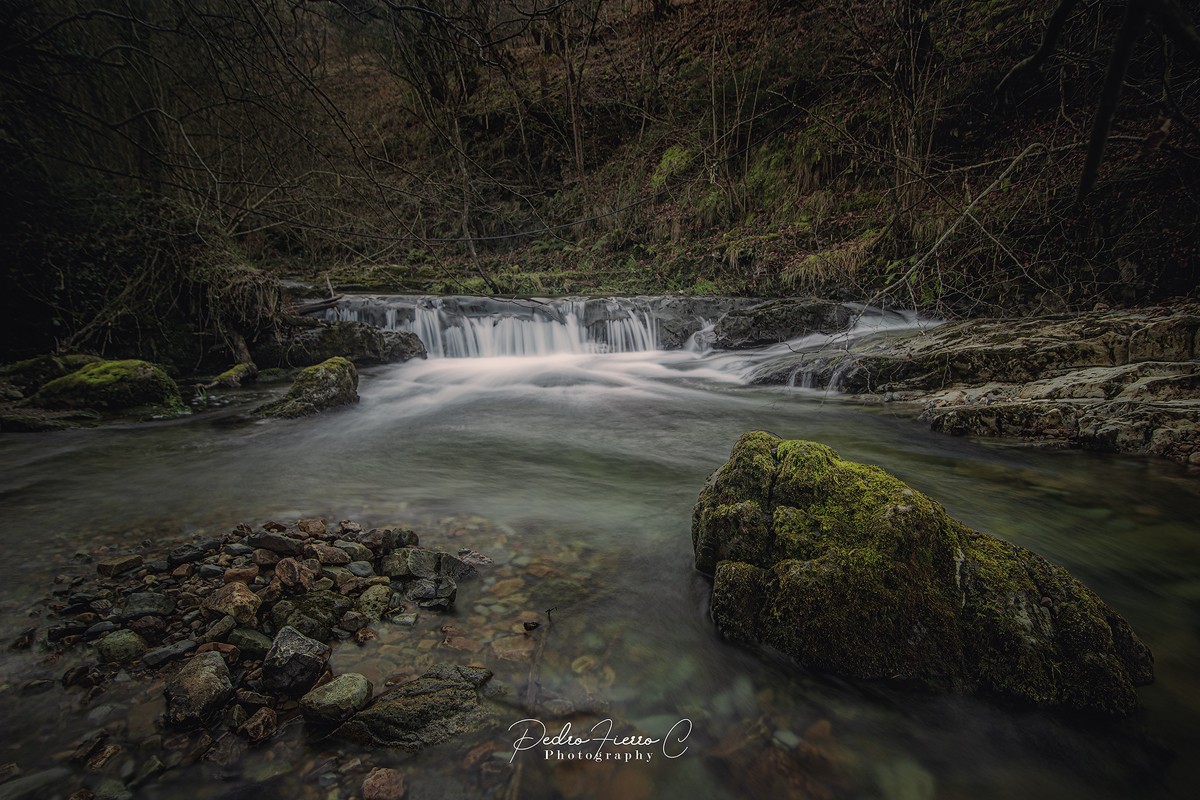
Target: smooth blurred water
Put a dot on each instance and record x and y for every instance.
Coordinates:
(591, 463)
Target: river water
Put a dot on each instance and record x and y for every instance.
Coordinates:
(576, 471)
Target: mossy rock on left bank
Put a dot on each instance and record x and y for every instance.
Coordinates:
(849, 571)
(113, 387)
(330, 384)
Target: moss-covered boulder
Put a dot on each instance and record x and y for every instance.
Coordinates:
(361, 343)
(33, 373)
(329, 384)
(115, 387)
(848, 570)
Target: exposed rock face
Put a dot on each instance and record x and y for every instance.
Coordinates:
(1116, 381)
(361, 343)
(329, 384)
(438, 706)
(848, 570)
(198, 689)
(779, 320)
(113, 387)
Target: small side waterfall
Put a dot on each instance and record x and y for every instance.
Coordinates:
(480, 327)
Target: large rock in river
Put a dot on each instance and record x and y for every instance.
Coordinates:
(329, 384)
(363, 344)
(114, 387)
(778, 321)
(848, 570)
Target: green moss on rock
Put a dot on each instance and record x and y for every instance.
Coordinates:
(130, 386)
(329, 384)
(33, 373)
(848, 570)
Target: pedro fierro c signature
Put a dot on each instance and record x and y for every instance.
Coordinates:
(566, 746)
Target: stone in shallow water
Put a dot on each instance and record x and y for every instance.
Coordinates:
(294, 662)
(338, 699)
(161, 655)
(846, 569)
(198, 690)
(141, 604)
(441, 705)
(121, 647)
(436, 594)
(116, 566)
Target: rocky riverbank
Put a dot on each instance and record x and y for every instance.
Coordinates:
(1125, 381)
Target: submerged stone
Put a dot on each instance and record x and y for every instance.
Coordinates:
(440, 705)
(848, 570)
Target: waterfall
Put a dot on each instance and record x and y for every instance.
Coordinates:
(480, 327)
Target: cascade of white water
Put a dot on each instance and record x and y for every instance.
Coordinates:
(453, 327)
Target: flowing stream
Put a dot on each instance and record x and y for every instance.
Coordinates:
(559, 441)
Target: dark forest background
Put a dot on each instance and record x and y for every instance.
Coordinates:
(166, 163)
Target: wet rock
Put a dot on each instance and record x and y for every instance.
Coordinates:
(435, 594)
(209, 571)
(294, 575)
(778, 321)
(847, 570)
(141, 604)
(161, 655)
(113, 387)
(220, 629)
(235, 600)
(439, 706)
(261, 725)
(237, 549)
(198, 690)
(361, 569)
(99, 629)
(326, 385)
(356, 551)
(121, 647)
(384, 784)
(274, 542)
(374, 601)
(361, 343)
(294, 662)
(454, 568)
(314, 613)
(411, 563)
(252, 643)
(327, 554)
(187, 553)
(337, 700)
(152, 629)
(112, 567)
